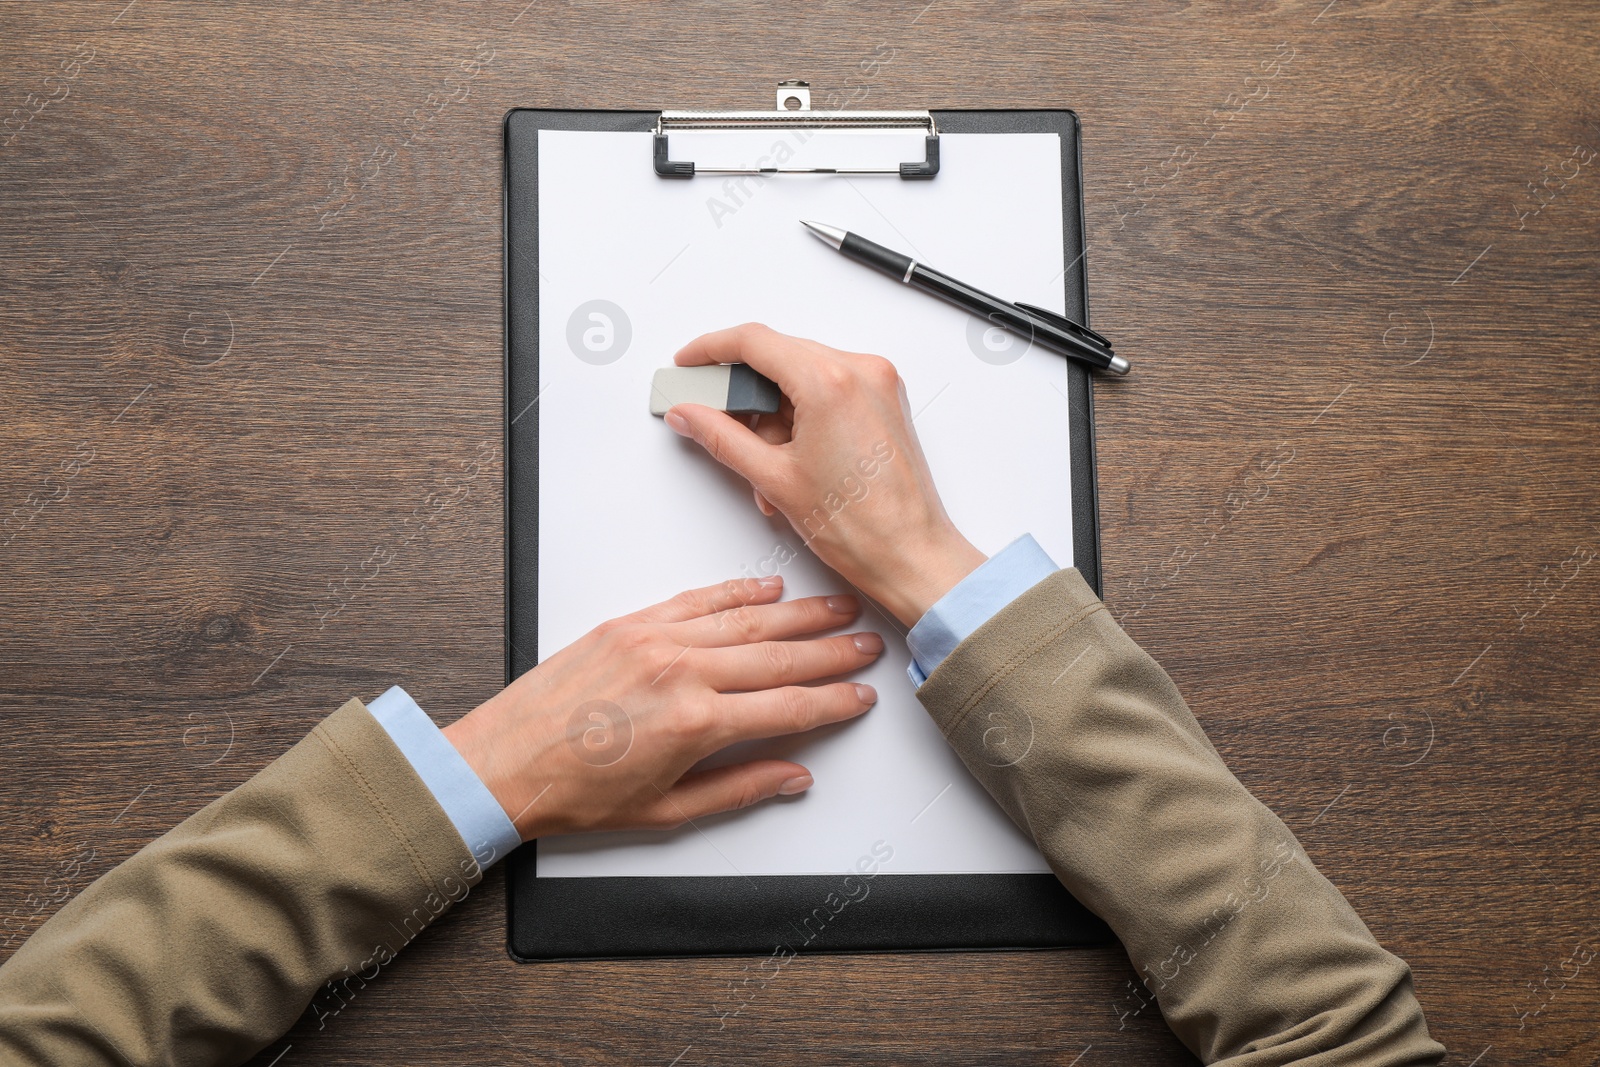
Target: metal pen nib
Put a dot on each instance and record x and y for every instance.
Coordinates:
(833, 235)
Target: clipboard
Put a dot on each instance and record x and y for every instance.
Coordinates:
(555, 918)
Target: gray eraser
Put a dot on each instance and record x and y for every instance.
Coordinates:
(732, 387)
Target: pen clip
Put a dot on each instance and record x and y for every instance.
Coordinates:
(1061, 321)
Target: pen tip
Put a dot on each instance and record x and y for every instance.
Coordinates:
(833, 235)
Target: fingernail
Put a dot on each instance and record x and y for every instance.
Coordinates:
(867, 694)
(795, 785)
(844, 604)
(868, 644)
(679, 424)
(771, 581)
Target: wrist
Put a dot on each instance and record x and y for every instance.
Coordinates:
(470, 736)
(918, 579)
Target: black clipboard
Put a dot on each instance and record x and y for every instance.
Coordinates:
(615, 918)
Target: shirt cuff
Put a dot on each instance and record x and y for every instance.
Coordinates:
(467, 802)
(973, 601)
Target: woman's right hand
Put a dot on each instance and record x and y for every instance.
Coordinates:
(841, 461)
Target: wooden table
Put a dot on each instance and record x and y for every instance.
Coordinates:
(250, 319)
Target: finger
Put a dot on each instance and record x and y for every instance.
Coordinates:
(749, 623)
(789, 710)
(770, 664)
(752, 343)
(704, 793)
(710, 599)
(789, 361)
(730, 442)
(775, 429)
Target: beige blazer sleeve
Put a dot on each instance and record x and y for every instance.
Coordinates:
(212, 940)
(303, 882)
(1252, 955)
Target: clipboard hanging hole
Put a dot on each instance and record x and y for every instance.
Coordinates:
(794, 96)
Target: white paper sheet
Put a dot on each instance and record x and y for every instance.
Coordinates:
(631, 514)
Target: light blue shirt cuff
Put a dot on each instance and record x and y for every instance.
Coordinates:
(471, 808)
(975, 600)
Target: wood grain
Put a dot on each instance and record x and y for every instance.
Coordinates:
(250, 318)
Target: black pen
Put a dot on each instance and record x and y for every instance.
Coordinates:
(1029, 322)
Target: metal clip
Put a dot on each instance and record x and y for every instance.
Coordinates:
(798, 117)
(1055, 318)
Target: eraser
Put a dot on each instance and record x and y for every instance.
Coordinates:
(732, 387)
